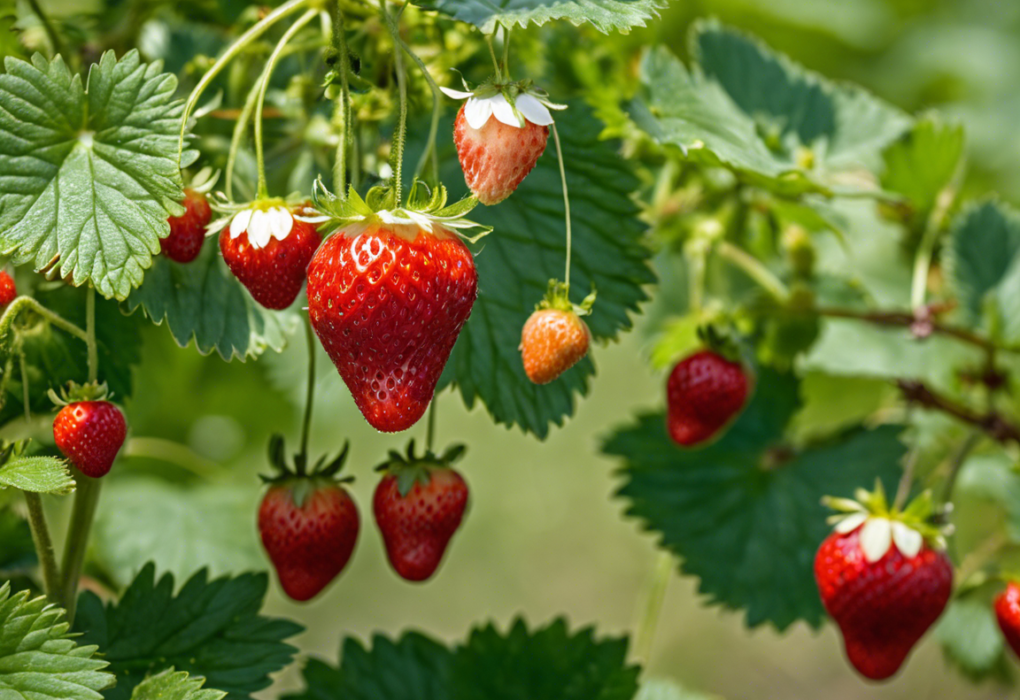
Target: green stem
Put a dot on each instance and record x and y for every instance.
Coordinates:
(754, 269)
(958, 459)
(90, 334)
(51, 32)
(22, 303)
(907, 480)
(644, 636)
(306, 426)
(344, 107)
(236, 48)
(43, 546)
(170, 452)
(697, 269)
(430, 431)
(506, 52)
(85, 499)
(397, 157)
(566, 203)
(926, 249)
(267, 74)
(492, 52)
(240, 127)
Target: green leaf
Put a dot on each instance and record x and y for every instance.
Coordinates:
(981, 250)
(210, 628)
(744, 514)
(604, 15)
(17, 551)
(971, 639)
(544, 664)
(922, 163)
(145, 519)
(169, 685)
(90, 173)
(527, 249)
(412, 668)
(203, 302)
(993, 477)
(38, 659)
(37, 475)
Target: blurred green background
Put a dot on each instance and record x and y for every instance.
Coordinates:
(545, 535)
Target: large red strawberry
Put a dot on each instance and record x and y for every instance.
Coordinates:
(705, 391)
(418, 507)
(90, 434)
(187, 231)
(496, 157)
(1007, 612)
(388, 302)
(885, 584)
(8, 291)
(268, 250)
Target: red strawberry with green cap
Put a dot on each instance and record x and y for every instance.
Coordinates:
(554, 338)
(388, 301)
(418, 506)
(884, 577)
(1007, 612)
(88, 429)
(268, 248)
(308, 523)
(187, 231)
(8, 291)
(704, 393)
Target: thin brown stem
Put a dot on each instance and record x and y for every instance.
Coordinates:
(992, 423)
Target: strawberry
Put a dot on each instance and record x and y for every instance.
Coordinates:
(388, 302)
(705, 391)
(883, 582)
(554, 339)
(1007, 612)
(187, 231)
(496, 157)
(418, 507)
(308, 523)
(8, 292)
(90, 434)
(268, 250)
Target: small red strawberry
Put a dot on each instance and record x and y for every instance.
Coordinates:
(90, 434)
(418, 507)
(705, 391)
(268, 250)
(308, 523)
(883, 582)
(1007, 612)
(554, 339)
(8, 292)
(187, 231)
(388, 302)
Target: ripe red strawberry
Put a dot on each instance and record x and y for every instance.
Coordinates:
(1007, 612)
(705, 391)
(882, 604)
(8, 292)
(552, 342)
(497, 157)
(418, 508)
(268, 252)
(187, 231)
(90, 434)
(309, 529)
(387, 303)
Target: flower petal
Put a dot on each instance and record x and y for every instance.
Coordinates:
(477, 112)
(851, 523)
(239, 224)
(457, 94)
(504, 112)
(259, 232)
(533, 110)
(280, 222)
(907, 539)
(876, 538)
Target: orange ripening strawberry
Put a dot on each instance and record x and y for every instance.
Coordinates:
(8, 291)
(187, 231)
(388, 302)
(418, 506)
(90, 434)
(552, 342)
(268, 250)
(1007, 612)
(885, 584)
(705, 391)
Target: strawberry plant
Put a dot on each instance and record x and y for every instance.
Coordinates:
(438, 219)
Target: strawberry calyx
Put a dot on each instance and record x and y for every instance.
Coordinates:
(297, 475)
(558, 297)
(723, 340)
(514, 103)
(73, 392)
(426, 208)
(410, 468)
(883, 525)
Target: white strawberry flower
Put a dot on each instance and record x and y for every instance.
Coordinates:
(479, 109)
(879, 534)
(262, 225)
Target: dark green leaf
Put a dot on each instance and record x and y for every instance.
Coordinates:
(981, 249)
(527, 249)
(88, 174)
(744, 514)
(37, 475)
(210, 628)
(604, 15)
(971, 639)
(204, 302)
(169, 685)
(38, 659)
